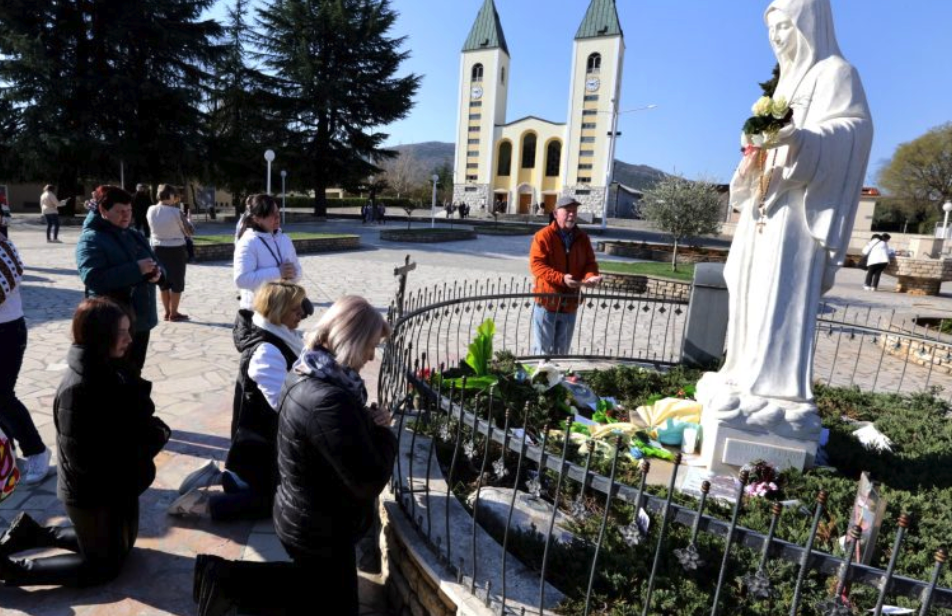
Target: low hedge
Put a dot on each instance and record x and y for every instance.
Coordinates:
(308, 202)
(428, 236)
(915, 478)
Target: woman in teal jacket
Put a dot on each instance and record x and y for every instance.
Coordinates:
(116, 261)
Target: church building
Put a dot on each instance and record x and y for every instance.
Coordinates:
(516, 165)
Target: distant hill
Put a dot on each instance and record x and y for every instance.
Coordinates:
(432, 154)
(639, 177)
(429, 155)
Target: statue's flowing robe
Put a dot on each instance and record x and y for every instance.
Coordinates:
(777, 275)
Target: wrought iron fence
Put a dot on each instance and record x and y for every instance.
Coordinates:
(882, 351)
(432, 328)
(469, 436)
(634, 323)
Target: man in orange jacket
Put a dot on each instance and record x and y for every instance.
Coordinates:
(562, 262)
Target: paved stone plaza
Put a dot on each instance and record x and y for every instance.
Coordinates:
(193, 366)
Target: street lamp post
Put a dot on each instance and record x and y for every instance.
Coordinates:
(946, 207)
(610, 172)
(435, 179)
(284, 175)
(268, 156)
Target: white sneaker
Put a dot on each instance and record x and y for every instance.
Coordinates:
(865, 288)
(203, 477)
(37, 467)
(192, 504)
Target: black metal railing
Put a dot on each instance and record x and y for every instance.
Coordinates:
(882, 351)
(432, 329)
(639, 325)
(465, 435)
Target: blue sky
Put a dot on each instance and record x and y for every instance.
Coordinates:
(699, 61)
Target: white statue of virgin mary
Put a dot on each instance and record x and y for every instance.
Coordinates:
(791, 237)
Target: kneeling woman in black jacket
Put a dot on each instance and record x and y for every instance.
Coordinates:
(335, 456)
(107, 436)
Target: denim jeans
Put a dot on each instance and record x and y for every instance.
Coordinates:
(52, 224)
(551, 331)
(14, 417)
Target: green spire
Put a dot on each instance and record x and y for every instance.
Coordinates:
(487, 31)
(601, 19)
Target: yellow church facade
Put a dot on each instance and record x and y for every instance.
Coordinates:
(524, 165)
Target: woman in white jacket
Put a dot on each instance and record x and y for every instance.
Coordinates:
(878, 253)
(262, 253)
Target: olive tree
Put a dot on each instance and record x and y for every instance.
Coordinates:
(918, 178)
(682, 209)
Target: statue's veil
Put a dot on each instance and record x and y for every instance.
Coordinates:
(816, 39)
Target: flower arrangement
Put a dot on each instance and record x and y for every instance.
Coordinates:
(770, 115)
(763, 480)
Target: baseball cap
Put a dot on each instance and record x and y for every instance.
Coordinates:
(566, 202)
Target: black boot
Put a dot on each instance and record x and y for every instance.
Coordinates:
(201, 564)
(23, 534)
(216, 595)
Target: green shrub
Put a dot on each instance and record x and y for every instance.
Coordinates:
(915, 478)
(390, 203)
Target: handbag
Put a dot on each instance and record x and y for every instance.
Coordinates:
(188, 229)
(863, 262)
(9, 473)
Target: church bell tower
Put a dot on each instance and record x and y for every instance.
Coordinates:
(594, 96)
(483, 93)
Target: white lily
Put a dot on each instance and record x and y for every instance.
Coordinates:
(546, 377)
(871, 438)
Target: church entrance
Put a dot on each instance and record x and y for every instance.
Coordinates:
(501, 202)
(548, 201)
(525, 200)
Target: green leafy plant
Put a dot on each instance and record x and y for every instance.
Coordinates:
(481, 348)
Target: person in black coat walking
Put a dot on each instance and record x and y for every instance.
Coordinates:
(335, 456)
(107, 436)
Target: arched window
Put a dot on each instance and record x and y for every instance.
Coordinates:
(594, 63)
(553, 159)
(502, 76)
(505, 159)
(529, 151)
(477, 72)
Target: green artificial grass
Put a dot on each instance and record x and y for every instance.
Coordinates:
(295, 235)
(684, 272)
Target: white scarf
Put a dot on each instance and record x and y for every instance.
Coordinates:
(11, 269)
(292, 338)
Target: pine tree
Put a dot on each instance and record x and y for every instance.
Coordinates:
(240, 119)
(103, 82)
(336, 76)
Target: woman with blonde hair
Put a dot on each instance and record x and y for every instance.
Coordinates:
(267, 354)
(335, 456)
(168, 235)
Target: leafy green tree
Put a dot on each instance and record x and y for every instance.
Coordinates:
(444, 186)
(682, 209)
(918, 179)
(99, 83)
(240, 119)
(335, 69)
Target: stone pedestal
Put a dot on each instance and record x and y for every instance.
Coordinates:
(738, 428)
(725, 448)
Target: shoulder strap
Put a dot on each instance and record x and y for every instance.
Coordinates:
(276, 257)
